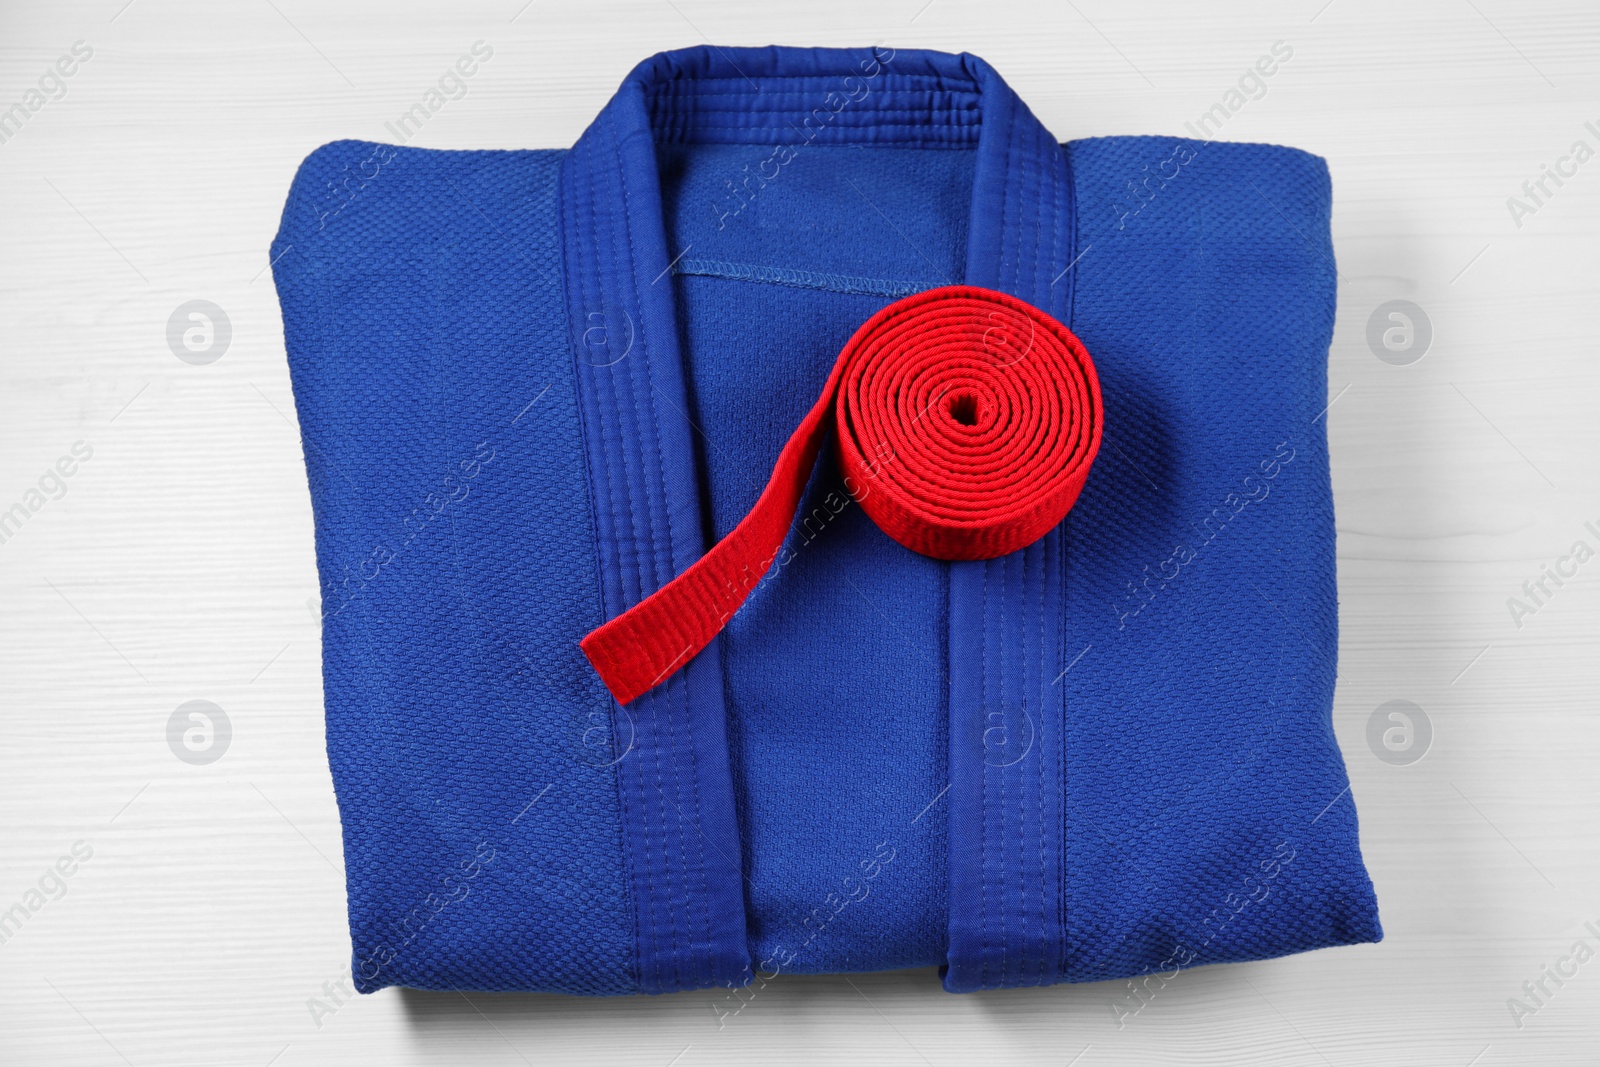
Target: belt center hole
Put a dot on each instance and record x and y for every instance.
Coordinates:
(963, 407)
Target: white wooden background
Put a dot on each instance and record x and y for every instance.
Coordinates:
(178, 565)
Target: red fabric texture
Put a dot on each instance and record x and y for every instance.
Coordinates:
(966, 423)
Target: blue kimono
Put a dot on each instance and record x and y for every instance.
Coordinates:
(533, 386)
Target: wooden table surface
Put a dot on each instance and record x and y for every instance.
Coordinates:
(175, 562)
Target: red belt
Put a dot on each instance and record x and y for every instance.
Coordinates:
(966, 422)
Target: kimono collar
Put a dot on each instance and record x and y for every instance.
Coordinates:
(790, 98)
(683, 849)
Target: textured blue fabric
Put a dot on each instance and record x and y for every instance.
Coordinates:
(1107, 755)
(468, 739)
(835, 755)
(1200, 574)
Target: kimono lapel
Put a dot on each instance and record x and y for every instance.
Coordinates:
(1007, 635)
(1006, 809)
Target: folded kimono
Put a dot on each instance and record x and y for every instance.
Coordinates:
(536, 387)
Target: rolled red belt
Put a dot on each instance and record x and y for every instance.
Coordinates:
(966, 422)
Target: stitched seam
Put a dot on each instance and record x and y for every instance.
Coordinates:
(929, 100)
(1041, 286)
(689, 79)
(903, 101)
(1071, 198)
(1047, 665)
(1024, 589)
(962, 123)
(684, 133)
(802, 279)
(1018, 592)
(814, 98)
(1036, 947)
(1031, 667)
(939, 82)
(965, 120)
(654, 837)
(1000, 810)
(661, 726)
(1005, 231)
(1064, 945)
(653, 808)
(983, 769)
(1011, 242)
(673, 688)
(1039, 777)
(895, 81)
(589, 399)
(1062, 247)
